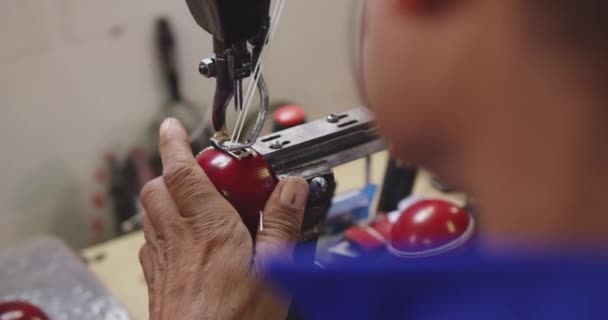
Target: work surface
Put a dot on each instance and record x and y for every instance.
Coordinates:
(116, 262)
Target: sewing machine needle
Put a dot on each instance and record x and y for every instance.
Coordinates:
(238, 95)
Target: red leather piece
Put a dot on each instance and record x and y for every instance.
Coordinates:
(246, 183)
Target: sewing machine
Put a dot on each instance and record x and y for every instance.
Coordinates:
(241, 30)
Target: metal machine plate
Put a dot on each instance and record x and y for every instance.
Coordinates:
(338, 139)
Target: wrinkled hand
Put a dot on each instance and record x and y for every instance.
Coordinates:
(199, 260)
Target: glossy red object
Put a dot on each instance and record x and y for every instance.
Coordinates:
(366, 238)
(289, 116)
(18, 310)
(383, 226)
(246, 183)
(430, 227)
(373, 237)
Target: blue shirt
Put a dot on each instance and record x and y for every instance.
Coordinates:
(548, 286)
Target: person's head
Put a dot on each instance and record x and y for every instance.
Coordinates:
(457, 84)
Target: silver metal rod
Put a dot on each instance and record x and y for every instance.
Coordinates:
(259, 122)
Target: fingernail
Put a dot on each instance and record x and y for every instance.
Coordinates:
(294, 192)
(171, 127)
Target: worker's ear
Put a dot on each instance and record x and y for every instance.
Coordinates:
(422, 6)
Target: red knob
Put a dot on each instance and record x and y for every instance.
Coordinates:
(430, 227)
(17, 310)
(288, 116)
(246, 183)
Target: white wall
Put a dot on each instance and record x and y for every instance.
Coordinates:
(80, 76)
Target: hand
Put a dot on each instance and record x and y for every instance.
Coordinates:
(199, 260)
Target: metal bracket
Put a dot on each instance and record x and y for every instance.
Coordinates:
(338, 139)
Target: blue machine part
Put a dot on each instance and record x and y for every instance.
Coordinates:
(351, 207)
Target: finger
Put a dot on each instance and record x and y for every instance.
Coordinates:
(150, 233)
(154, 242)
(161, 210)
(147, 263)
(187, 183)
(146, 259)
(282, 217)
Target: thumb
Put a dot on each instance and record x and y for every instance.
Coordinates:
(282, 218)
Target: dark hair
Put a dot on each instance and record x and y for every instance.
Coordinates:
(583, 23)
(577, 29)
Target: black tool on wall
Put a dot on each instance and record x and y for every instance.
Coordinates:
(143, 162)
(176, 104)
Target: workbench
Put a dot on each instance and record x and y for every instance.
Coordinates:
(116, 262)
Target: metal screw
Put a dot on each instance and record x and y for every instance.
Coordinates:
(333, 118)
(207, 68)
(276, 145)
(318, 186)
